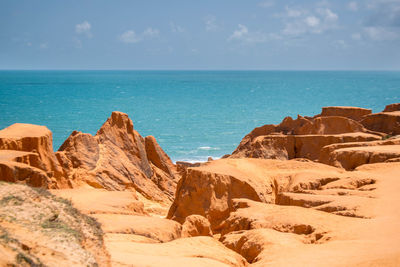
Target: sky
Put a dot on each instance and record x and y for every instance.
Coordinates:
(200, 35)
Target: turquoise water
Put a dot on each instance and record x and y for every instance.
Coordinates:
(193, 114)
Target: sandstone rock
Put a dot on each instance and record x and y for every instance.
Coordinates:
(311, 224)
(194, 251)
(385, 122)
(15, 172)
(331, 125)
(36, 139)
(294, 146)
(353, 113)
(119, 158)
(326, 152)
(309, 146)
(159, 229)
(392, 107)
(352, 157)
(95, 201)
(258, 244)
(196, 225)
(267, 147)
(209, 189)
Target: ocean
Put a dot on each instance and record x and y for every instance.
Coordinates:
(193, 114)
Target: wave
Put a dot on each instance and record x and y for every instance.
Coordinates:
(208, 148)
(195, 159)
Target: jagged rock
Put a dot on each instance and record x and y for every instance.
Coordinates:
(196, 225)
(353, 113)
(119, 158)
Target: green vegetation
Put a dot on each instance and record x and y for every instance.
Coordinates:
(11, 200)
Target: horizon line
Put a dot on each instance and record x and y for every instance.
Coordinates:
(67, 69)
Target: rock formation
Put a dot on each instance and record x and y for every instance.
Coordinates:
(208, 190)
(116, 158)
(353, 113)
(385, 122)
(119, 158)
(304, 137)
(26, 156)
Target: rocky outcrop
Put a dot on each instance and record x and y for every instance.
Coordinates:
(353, 113)
(116, 158)
(119, 158)
(294, 146)
(351, 155)
(385, 122)
(31, 146)
(208, 190)
(304, 137)
(196, 225)
(392, 107)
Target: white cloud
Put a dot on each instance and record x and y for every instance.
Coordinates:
(380, 34)
(312, 21)
(211, 24)
(176, 28)
(300, 21)
(150, 32)
(242, 34)
(353, 6)
(356, 36)
(239, 33)
(84, 28)
(327, 14)
(267, 4)
(129, 37)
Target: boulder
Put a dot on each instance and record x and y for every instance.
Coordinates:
(196, 225)
(119, 158)
(37, 140)
(353, 113)
(385, 122)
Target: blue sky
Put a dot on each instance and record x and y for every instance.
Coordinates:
(218, 34)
